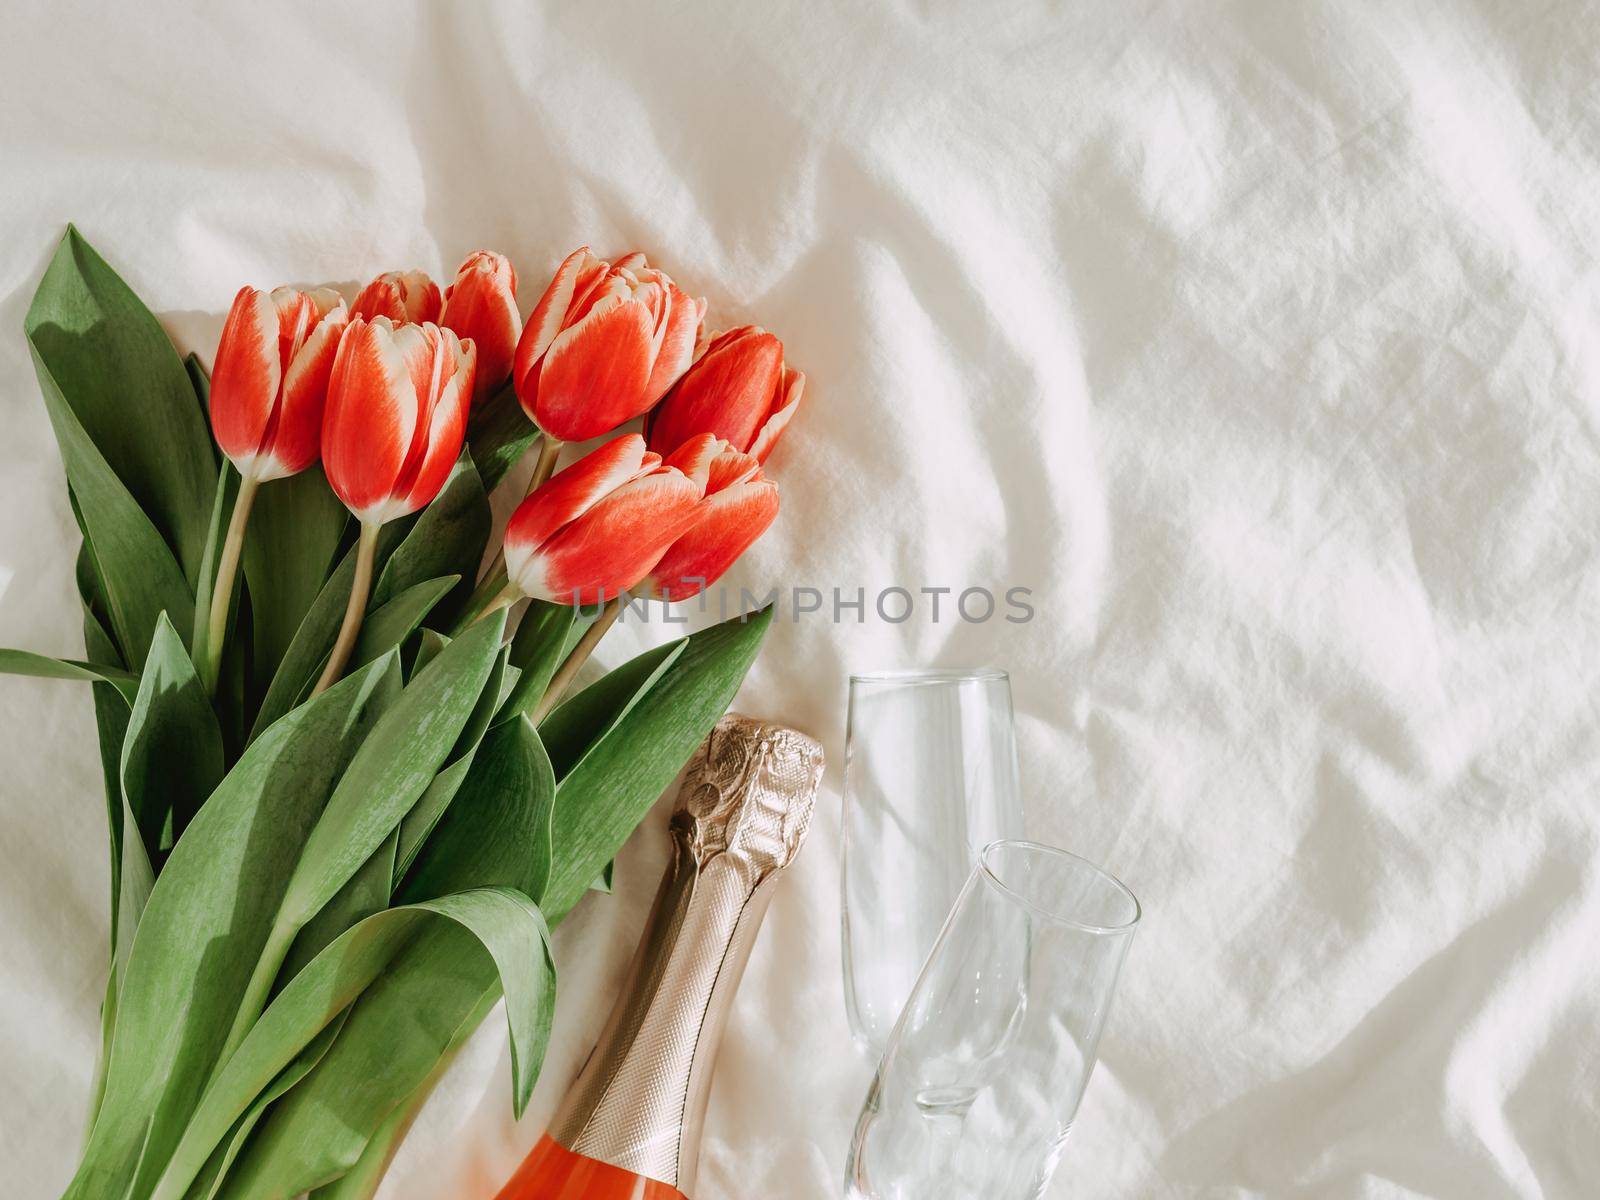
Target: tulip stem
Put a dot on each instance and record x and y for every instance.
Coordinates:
(227, 570)
(484, 594)
(580, 655)
(549, 452)
(354, 611)
(508, 595)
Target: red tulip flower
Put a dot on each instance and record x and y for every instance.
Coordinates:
(269, 384)
(482, 305)
(603, 345)
(740, 504)
(737, 390)
(596, 528)
(405, 297)
(397, 413)
(270, 379)
(396, 417)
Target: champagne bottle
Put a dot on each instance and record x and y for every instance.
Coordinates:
(629, 1128)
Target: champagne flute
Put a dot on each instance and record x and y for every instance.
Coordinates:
(930, 779)
(984, 1071)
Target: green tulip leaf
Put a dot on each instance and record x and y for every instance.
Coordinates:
(583, 721)
(419, 822)
(499, 434)
(537, 650)
(447, 538)
(425, 815)
(112, 367)
(392, 623)
(433, 995)
(205, 925)
(290, 545)
(142, 579)
(208, 1183)
(111, 711)
(509, 937)
(392, 769)
(172, 753)
(364, 893)
(40, 666)
(609, 790)
(429, 643)
(496, 835)
(221, 509)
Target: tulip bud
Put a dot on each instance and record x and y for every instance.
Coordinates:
(596, 528)
(397, 413)
(405, 297)
(270, 379)
(740, 504)
(737, 390)
(269, 389)
(603, 345)
(482, 305)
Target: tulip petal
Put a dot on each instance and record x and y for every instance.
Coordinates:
(572, 492)
(482, 305)
(729, 391)
(593, 376)
(729, 523)
(404, 297)
(547, 318)
(613, 546)
(447, 428)
(245, 378)
(296, 438)
(371, 416)
(730, 468)
(794, 386)
(694, 458)
(677, 339)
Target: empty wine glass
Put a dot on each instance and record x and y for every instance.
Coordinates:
(930, 778)
(985, 1068)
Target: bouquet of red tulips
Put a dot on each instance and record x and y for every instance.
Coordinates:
(344, 807)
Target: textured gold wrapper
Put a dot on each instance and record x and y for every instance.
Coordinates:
(741, 815)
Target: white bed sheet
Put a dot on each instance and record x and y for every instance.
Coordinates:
(1262, 341)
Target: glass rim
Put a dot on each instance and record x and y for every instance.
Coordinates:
(1033, 906)
(916, 675)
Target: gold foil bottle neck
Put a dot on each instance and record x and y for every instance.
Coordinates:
(742, 812)
(750, 790)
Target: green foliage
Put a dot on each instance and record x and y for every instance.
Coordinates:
(207, 921)
(172, 751)
(436, 992)
(537, 650)
(110, 364)
(314, 901)
(293, 539)
(22, 662)
(499, 435)
(505, 925)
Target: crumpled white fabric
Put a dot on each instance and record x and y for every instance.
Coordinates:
(1259, 340)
